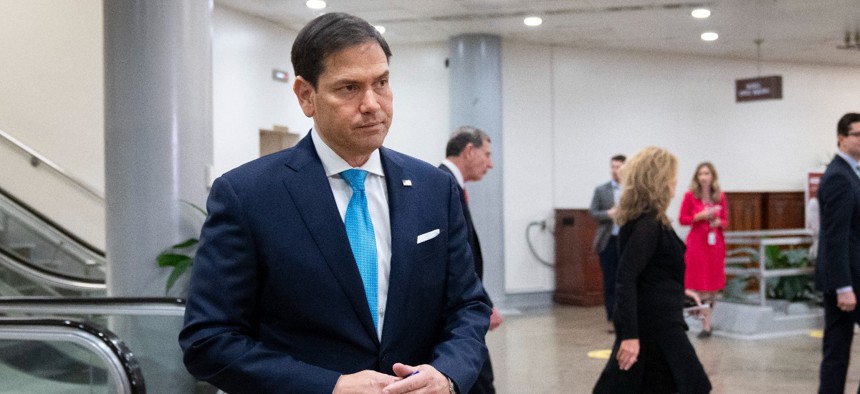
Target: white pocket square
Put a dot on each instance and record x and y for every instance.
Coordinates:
(428, 236)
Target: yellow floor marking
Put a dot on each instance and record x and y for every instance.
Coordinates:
(602, 354)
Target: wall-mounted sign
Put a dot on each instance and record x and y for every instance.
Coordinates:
(761, 88)
(280, 76)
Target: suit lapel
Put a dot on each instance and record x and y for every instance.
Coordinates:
(400, 200)
(847, 168)
(309, 189)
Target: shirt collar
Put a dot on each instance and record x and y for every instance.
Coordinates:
(454, 170)
(615, 185)
(849, 159)
(334, 164)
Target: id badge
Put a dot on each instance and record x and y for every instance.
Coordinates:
(712, 238)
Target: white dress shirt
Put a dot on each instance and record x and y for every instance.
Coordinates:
(456, 171)
(616, 196)
(377, 204)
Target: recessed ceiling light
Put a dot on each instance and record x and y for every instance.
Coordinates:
(533, 21)
(710, 36)
(380, 29)
(701, 13)
(315, 4)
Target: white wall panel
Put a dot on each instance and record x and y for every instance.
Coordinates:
(52, 99)
(419, 81)
(245, 97)
(528, 151)
(609, 102)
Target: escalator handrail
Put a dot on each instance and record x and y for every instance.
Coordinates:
(129, 306)
(25, 268)
(121, 362)
(62, 230)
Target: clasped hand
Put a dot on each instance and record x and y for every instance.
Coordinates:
(711, 214)
(427, 380)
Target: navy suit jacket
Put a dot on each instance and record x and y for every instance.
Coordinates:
(838, 260)
(276, 302)
(474, 243)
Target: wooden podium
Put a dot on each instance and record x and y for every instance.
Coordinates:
(578, 280)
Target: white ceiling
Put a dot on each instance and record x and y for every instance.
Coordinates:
(806, 31)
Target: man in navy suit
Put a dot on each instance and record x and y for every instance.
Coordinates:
(467, 159)
(277, 302)
(837, 269)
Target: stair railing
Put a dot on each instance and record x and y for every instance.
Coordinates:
(36, 159)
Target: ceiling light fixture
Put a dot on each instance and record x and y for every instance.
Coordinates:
(710, 36)
(315, 4)
(533, 21)
(701, 13)
(380, 29)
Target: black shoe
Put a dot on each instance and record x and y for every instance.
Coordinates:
(705, 334)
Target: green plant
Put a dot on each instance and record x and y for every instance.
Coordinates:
(181, 261)
(736, 288)
(179, 256)
(791, 288)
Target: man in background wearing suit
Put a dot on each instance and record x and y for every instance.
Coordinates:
(336, 266)
(602, 209)
(467, 159)
(837, 270)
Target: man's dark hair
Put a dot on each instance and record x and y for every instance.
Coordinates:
(327, 34)
(620, 158)
(845, 123)
(462, 137)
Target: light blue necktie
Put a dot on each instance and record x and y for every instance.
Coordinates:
(359, 230)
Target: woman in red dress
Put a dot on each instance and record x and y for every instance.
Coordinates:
(704, 209)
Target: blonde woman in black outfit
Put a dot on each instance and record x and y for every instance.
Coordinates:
(652, 353)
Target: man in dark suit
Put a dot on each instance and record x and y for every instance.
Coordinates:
(336, 266)
(467, 159)
(605, 242)
(837, 269)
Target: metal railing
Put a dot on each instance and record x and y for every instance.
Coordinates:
(36, 158)
(759, 241)
(57, 258)
(42, 277)
(148, 325)
(117, 306)
(119, 362)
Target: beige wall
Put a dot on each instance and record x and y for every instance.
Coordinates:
(52, 99)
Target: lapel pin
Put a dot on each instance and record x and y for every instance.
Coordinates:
(407, 182)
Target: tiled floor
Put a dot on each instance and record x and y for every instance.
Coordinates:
(547, 352)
